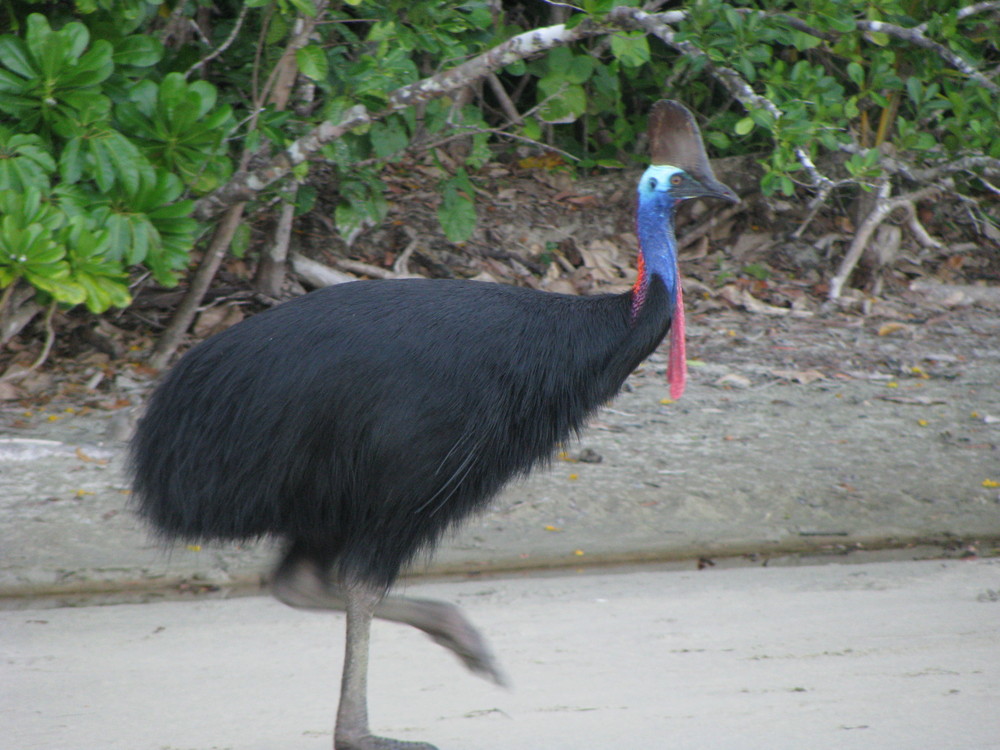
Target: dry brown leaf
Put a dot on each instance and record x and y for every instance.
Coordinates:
(890, 328)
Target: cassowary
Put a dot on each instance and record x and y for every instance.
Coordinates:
(359, 422)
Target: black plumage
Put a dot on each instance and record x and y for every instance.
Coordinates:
(363, 420)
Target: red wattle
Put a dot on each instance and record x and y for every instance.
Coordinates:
(677, 362)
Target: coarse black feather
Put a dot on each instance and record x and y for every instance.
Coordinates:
(361, 421)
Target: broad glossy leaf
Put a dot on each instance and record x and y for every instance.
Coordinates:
(127, 162)
(13, 84)
(138, 50)
(305, 6)
(178, 210)
(102, 163)
(63, 289)
(14, 56)
(93, 68)
(143, 238)
(206, 96)
(36, 32)
(77, 36)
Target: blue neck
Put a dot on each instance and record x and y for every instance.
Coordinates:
(655, 227)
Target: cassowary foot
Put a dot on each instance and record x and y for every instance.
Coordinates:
(371, 742)
(447, 625)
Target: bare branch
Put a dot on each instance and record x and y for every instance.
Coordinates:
(988, 164)
(882, 208)
(225, 44)
(505, 103)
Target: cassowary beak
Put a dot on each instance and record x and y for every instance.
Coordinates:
(715, 189)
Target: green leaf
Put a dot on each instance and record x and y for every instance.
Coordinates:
(457, 215)
(744, 126)
(565, 101)
(14, 56)
(71, 161)
(631, 48)
(103, 165)
(758, 271)
(312, 62)
(856, 73)
(306, 7)
(389, 137)
(350, 220)
(137, 50)
(578, 69)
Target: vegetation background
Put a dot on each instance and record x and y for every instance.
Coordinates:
(144, 145)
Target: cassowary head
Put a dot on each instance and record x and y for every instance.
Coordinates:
(680, 168)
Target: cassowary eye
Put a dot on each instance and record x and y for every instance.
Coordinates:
(676, 180)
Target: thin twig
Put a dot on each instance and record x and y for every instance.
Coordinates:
(690, 237)
(174, 333)
(225, 44)
(505, 103)
(464, 131)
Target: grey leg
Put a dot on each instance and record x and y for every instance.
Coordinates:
(300, 582)
(352, 731)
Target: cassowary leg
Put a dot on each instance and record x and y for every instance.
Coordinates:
(352, 731)
(302, 582)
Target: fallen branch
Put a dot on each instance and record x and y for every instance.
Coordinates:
(884, 206)
(317, 275)
(367, 269)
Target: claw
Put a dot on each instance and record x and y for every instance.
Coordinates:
(371, 742)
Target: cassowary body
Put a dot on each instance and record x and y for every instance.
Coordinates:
(360, 422)
(363, 420)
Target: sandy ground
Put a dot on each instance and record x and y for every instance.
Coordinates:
(870, 656)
